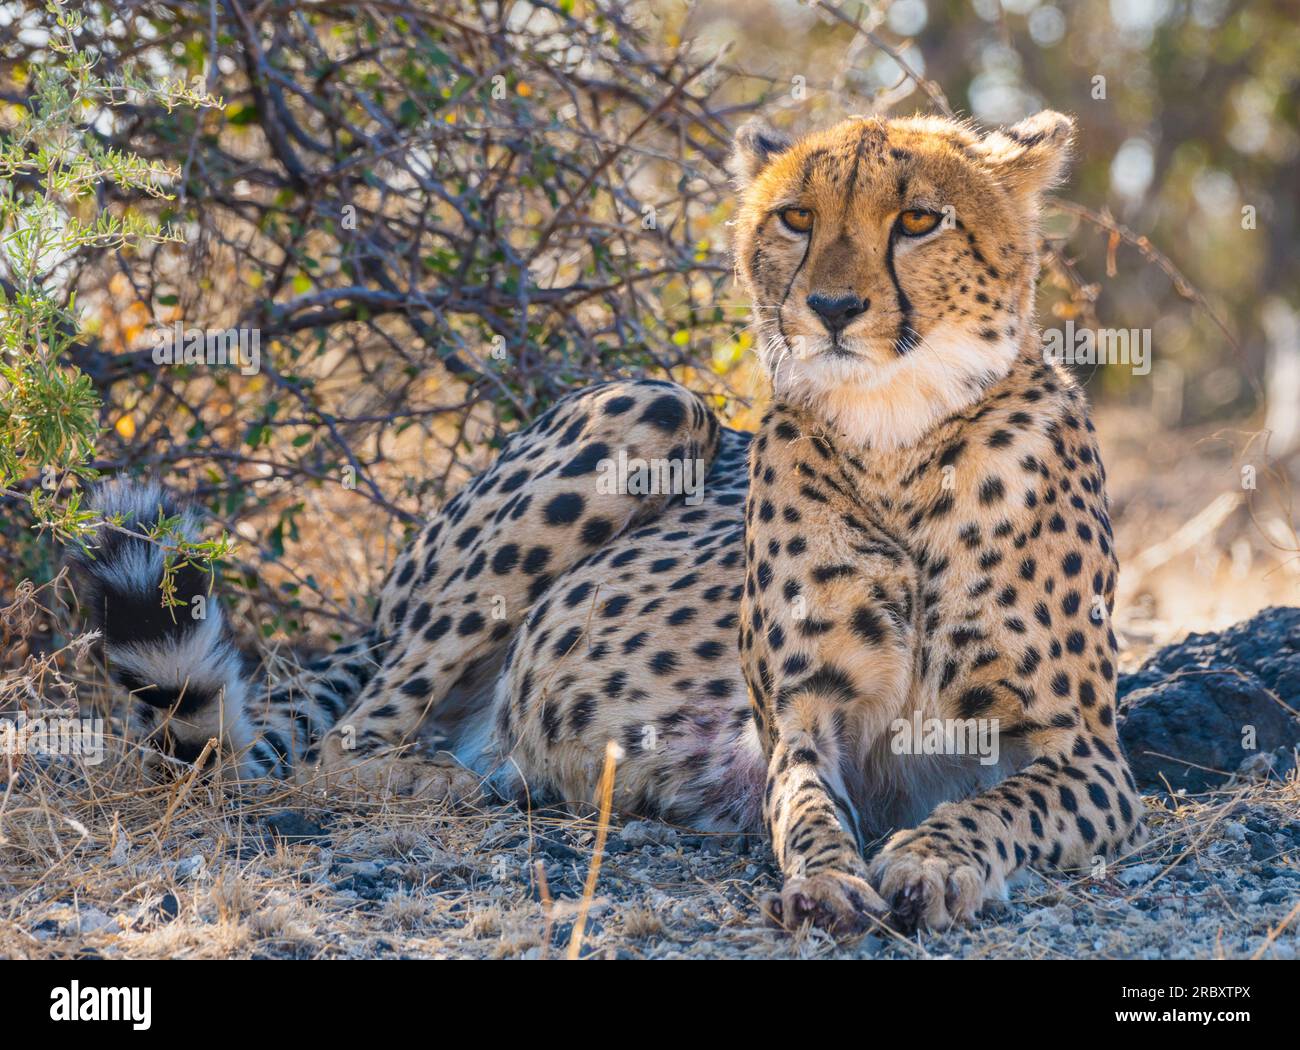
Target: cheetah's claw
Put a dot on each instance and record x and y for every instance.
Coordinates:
(924, 888)
(839, 903)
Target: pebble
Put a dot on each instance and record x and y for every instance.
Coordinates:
(1139, 873)
(91, 920)
(648, 833)
(1262, 847)
(1233, 831)
(366, 869)
(294, 827)
(188, 867)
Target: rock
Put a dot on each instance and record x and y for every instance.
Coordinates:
(92, 920)
(188, 867)
(1182, 715)
(294, 827)
(501, 835)
(1257, 766)
(366, 869)
(1045, 917)
(869, 946)
(361, 877)
(1266, 646)
(1285, 759)
(1263, 848)
(1138, 874)
(556, 850)
(1233, 831)
(648, 833)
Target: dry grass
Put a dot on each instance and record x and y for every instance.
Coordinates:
(104, 861)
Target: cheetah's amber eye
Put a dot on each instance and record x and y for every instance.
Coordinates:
(797, 219)
(916, 223)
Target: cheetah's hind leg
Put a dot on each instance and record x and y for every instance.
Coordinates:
(496, 551)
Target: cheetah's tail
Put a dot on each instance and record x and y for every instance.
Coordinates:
(180, 662)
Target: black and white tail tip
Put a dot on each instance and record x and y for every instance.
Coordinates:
(179, 662)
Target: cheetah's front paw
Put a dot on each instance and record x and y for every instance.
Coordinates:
(836, 902)
(925, 885)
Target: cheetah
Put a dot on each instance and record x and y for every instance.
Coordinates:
(918, 531)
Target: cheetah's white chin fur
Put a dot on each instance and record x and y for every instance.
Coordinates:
(894, 406)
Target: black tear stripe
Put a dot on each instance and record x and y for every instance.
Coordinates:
(907, 338)
(780, 309)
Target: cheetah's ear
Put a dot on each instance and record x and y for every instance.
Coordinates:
(755, 144)
(1030, 157)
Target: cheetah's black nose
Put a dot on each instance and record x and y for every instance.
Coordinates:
(836, 311)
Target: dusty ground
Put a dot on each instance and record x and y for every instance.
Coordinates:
(102, 861)
(108, 866)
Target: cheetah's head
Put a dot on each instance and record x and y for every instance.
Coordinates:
(892, 263)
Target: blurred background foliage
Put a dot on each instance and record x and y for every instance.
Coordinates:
(439, 215)
(1187, 113)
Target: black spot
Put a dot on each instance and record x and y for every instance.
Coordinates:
(991, 491)
(587, 459)
(564, 509)
(663, 663)
(505, 559)
(975, 701)
(596, 531)
(536, 560)
(867, 624)
(710, 650)
(666, 412)
(565, 643)
(514, 481)
(576, 595)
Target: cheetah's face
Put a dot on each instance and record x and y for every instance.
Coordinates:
(892, 263)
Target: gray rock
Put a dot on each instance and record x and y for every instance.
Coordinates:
(1232, 831)
(294, 827)
(92, 920)
(1262, 847)
(188, 867)
(1138, 874)
(648, 833)
(1182, 714)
